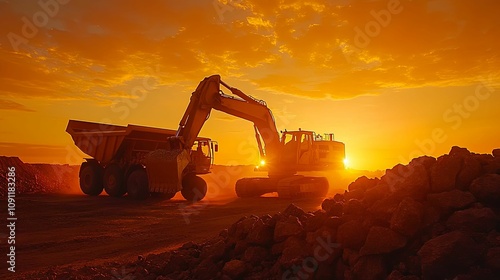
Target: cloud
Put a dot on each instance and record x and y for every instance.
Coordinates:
(94, 50)
(11, 105)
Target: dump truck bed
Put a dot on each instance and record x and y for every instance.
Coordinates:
(104, 142)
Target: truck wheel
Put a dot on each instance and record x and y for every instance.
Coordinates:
(137, 184)
(91, 178)
(114, 181)
(194, 188)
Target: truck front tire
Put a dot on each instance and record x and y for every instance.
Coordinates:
(194, 188)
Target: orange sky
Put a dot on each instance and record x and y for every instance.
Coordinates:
(392, 79)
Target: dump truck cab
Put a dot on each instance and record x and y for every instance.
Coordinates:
(202, 155)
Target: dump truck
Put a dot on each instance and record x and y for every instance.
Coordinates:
(118, 154)
(284, 156)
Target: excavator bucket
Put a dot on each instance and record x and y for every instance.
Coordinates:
(165, 168)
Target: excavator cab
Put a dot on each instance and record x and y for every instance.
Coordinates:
(305, 150)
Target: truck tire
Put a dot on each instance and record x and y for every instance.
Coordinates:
(114, 180)
(137, 184)
(194, 188)
(91, 178)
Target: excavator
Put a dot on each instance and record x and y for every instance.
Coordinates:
(282, 156)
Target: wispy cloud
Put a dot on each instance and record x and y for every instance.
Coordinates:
(11, 105)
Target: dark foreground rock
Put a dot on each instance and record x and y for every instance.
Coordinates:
(430, 219)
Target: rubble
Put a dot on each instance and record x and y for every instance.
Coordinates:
(430, 219)
(39, 178)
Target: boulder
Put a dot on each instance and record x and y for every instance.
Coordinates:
(333, 222)
(338, 197)
(408, 217)
(206, 270)
(261, 234)
(363, 183)
(487, 189)
(451, 200)
(293, 210)
(381, 240)
(316, 221)
(444, 173)
(284, 229)
(473, 219)
(353, 207)
(234, 269)
(240, 247)
(447, 255)
(458, 151)
(490, 164)
(332, 207)
(370, 268)
(255, 254)
(384, 208)
(214, 251)
(496, 153)
(426, 161)
(294, 248)
(242, 227)
(354, 194)
(351, 234)
(178, 261)
(431, 216)
(379, 192)
(408, 180)
(493, 258)
(471, 169)
(350, 256)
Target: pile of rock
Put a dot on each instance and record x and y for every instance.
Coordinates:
(38, 178)
(430, 219)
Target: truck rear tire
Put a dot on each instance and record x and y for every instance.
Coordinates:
(137, 184)
(114, 180)
(91, 178)
(194, 188)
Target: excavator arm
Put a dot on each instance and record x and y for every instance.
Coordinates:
(209, 96)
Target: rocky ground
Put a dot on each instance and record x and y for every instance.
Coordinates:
(39, 178)
(430, 219)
